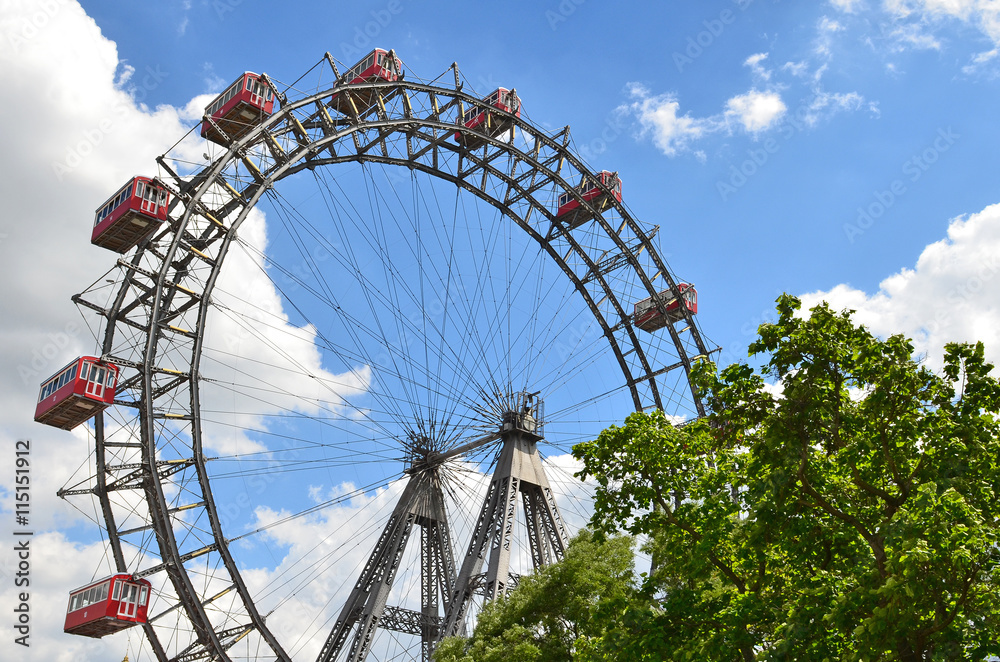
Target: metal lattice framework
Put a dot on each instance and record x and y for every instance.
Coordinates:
(155, 324)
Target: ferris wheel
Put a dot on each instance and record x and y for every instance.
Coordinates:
(343, 442)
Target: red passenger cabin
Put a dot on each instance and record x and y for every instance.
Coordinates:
(80, 390)
(483, 120)
(572, 213)
(131, 215)
(107, 606)
(649, 318)
(378, 66)
(244, 105)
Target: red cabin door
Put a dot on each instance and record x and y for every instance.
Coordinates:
(256, 91)
(129, 601)
(147, 196)
(95, 381)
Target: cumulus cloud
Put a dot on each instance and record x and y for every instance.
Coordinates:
(950, 295)
(756, 111)
(51, 579)
(658, 116)
(80, 136)
(251, 345)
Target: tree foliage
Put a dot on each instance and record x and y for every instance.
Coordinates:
(853, 516)
(544, 616)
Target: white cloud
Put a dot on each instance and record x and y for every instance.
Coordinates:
(982, 14)
(658, 116)
(756, 111)
(826, 28)
(797, 69)
(323, 554)
(249, 332)
(754, 62)
(906, 25)
(827, 24)
(79, 137)
(212, 81)
(51, 579)
(775, 389)
(827, 104)
(185, 19)
(950, 295)
(910, 36)
(979, 60)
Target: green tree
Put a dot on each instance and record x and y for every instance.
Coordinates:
(544, 616)
(853, 516)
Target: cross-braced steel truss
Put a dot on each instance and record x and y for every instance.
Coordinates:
(519, 472)
(421, 505)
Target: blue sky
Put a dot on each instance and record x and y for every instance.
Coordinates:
(843, 150)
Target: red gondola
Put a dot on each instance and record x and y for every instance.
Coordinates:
(573, 214)
(130, 215)
(379, 65)
(80, 390)
(484, 121)
(107, 606)
(245, 104)
(649, 318)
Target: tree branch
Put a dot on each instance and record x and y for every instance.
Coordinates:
(874, 542)
(687, 528)
(966, 585)
(892, 502)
